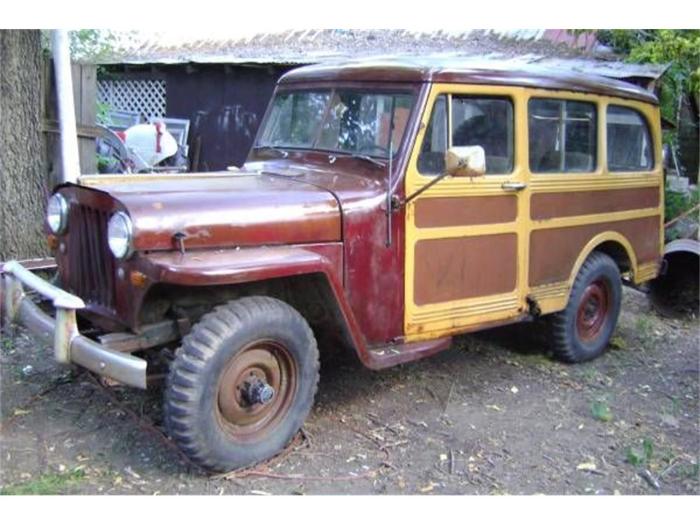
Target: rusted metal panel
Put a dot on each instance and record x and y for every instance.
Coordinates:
(570, 204)
(460, 268)
(242, 209)
(374, 272)
(553, 251)
(465, 211)
(219, 267)
(392, 355)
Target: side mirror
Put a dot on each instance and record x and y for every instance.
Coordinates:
(465, 161)
(666, 156)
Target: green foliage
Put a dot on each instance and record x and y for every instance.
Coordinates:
(7, 343)
(46, 484)
(600, 410)
(102, 113)
(644, 327)
(678, 203)
(641, 456)
(680, 48)
(92, 45)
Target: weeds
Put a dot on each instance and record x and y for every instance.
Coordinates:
(600, 410)
(7, 343)
(689, 470)
(46, 484)
(640, 457)
(645, 328)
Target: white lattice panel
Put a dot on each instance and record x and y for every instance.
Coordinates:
(146, 97)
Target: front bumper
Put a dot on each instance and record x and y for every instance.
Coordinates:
(69, 345)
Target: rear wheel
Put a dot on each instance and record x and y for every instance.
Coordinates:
(242, 383)
(582, 331)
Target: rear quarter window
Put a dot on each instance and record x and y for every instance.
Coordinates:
(629, 140)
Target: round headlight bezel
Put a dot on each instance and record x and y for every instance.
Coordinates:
(60, 201)
(128, 227)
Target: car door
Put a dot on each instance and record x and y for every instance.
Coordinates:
(466, 237)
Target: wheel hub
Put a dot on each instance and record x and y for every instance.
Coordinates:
(255, 390)
(593, 310)
(258, 391)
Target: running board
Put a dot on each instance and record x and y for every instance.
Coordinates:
(393, 354)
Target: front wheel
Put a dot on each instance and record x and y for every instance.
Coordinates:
(581, 332)
(242, 383)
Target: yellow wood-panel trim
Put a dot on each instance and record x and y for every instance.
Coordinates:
(597, 218)
(597, 241)
(430, 321)
(646, 272)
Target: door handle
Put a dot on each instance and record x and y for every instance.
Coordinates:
(513, 186)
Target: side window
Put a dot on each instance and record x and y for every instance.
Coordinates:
(562, 136)
(431, 160)
(485, 122)
(629, 140)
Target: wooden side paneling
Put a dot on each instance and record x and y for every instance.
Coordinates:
(573, 203)
(464, 267)
(553, 251)
(465, 211)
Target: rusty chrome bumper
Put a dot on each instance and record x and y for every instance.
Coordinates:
(69, 345)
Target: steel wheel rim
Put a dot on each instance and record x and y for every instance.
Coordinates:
(267, 361)
(593, 310)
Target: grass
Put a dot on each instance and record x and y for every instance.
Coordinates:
(641, 456)
(7, 343)
(46, 484)
(600, 410)
(690, 470)
(645, 328)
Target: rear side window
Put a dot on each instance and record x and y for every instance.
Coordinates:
(629, 140)
(562, 136)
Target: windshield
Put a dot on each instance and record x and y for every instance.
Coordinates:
(342, 120)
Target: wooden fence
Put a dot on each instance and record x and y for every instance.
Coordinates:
(85, 99)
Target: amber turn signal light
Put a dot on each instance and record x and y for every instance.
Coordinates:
(52, 241)
(138, 279)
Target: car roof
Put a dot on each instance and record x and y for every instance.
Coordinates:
(465, 71)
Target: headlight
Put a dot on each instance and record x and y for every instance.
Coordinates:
(119, 235)
(57, 213)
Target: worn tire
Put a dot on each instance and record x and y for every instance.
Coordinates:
(205, 413)
(582, 330)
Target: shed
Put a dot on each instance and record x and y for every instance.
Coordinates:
(223, 85)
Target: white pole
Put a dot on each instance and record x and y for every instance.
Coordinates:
(66, 107)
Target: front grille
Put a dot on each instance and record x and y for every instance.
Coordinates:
(90, 262)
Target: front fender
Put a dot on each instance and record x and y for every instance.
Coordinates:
(234, 266)
(246, 265)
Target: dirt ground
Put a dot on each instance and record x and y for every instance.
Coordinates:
(492, 415)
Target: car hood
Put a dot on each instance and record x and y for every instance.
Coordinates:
(225, 210)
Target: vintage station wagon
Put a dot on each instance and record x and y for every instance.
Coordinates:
(385, 207)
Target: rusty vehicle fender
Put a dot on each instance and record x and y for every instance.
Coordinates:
(675, 291)
(248, 265)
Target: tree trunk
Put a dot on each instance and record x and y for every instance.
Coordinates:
(23, 184)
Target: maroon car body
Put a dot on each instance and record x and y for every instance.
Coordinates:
(250, 271)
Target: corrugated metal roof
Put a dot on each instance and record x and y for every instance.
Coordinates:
(552, 47)
(310, 45)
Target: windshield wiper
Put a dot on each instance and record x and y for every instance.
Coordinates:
(368, 159)
(279, 150)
